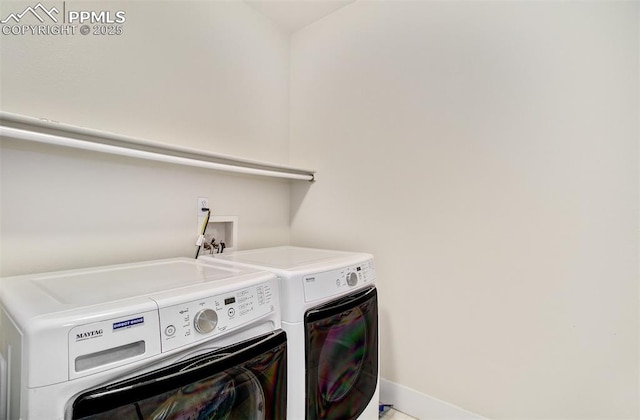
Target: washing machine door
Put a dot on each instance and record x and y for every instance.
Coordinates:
(342, 356)
(246, 380)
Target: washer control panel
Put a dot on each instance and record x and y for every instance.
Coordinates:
(330, 283)
(188, 322)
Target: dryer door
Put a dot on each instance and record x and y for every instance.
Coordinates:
(341, 346)
(246, 380)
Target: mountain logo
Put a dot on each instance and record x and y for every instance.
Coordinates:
(39, 11)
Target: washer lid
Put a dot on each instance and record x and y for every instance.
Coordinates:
(107, 284)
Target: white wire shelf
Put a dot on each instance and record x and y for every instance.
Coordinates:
(21, 127)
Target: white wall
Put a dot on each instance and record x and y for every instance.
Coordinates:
(211, 75)
(487, 154)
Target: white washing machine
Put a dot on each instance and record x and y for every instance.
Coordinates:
(330, 314)
(175, 338)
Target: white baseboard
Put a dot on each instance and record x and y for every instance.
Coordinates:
(420, 405)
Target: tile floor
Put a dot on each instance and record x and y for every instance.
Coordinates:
(395, 415)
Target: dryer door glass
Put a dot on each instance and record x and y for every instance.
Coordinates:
(243, 381)
(341, 349)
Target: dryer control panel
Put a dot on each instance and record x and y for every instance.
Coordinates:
(330, 283)
(189, 322)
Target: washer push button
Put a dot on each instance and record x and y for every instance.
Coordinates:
(170, 330)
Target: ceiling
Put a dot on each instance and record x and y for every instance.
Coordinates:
(293, 15)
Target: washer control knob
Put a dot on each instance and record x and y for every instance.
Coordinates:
(205, 321)
(352, 279)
